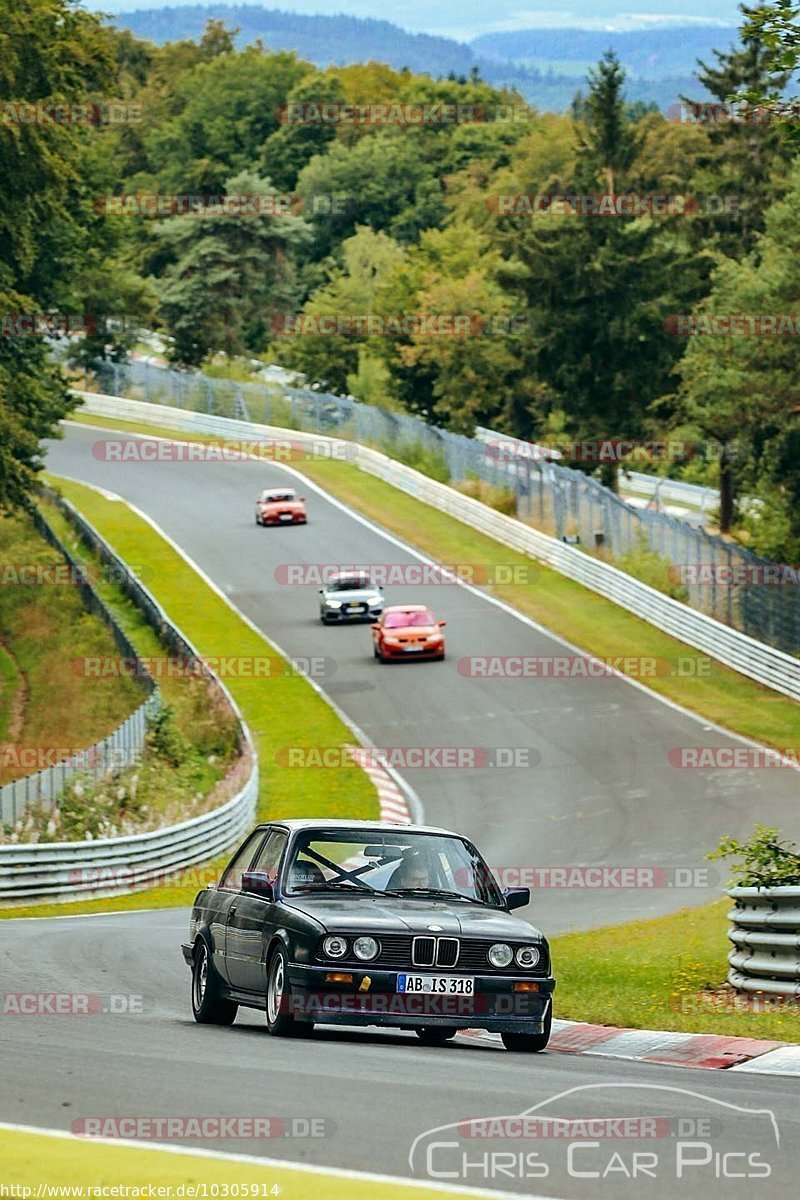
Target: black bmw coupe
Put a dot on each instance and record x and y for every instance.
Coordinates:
(365, 923)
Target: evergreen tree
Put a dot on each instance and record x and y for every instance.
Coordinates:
(228, 274)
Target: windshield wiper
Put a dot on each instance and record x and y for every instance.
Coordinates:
(334, 887)
(441, 892)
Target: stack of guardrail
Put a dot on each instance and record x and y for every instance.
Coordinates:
(766, 940)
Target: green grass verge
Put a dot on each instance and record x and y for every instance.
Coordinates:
(46, 631)
(31, 1159)
(664, 973)
(10, 682)
(561, 605)
(281, 711)
(189, 749)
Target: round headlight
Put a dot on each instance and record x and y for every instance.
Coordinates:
(335, 947)
(365, 948)
(527, 956)
(501, 955)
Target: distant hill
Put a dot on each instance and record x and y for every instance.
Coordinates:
(321, 40)
(546, 66)
(648, 53)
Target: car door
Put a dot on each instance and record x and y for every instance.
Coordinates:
(226, 892)
(251, 920)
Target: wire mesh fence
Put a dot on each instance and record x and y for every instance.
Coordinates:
(721, 578)
(121, 749)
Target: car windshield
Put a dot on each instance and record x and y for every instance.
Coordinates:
(349, 583)
(388, 863)
(401, 620)
(277, 497)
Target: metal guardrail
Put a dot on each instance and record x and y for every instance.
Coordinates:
(66, 870)
(121, 748)
(763, 663)
(62, 870)
(675, 490)
(766, 940)
(554, 498)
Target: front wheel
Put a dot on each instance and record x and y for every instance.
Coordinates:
(529, 1043)
(209, 1006)
(280, 1022)
(430, 1035)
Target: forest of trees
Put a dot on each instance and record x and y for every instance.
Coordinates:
(577, 312)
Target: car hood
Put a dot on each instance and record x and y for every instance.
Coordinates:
(394, 915)
(357, 594)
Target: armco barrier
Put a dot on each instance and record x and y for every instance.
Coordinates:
(551, 496)
(63, 870)
(766, 940)
(765, 664)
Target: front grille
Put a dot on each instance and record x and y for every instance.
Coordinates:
(447, 952)
(423, 951)
(471, 955)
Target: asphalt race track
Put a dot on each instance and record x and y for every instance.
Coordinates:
(603, 793)
(381, 1090)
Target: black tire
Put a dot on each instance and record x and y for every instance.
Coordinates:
(431, 1035)
(209, 1006)
(279, 1022)
(375, 653)
(529, 1043)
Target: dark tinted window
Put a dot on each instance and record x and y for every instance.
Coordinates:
(232, 876)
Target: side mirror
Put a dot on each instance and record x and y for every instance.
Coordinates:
(301, 499)
(322, 591)
(516, 897)
(441, 624)
(258, 883)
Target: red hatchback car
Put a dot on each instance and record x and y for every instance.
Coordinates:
(408, 631)
(280, 506)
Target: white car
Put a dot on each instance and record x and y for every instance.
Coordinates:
(350, 596)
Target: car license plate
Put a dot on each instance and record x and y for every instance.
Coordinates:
(352, 607)
(286, 517)
(413, 649)
(436, 985)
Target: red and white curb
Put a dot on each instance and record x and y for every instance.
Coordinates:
(709, 1051)
(393, 803)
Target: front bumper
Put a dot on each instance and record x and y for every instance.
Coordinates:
(338, 614)
(401, 652)
(372, 999)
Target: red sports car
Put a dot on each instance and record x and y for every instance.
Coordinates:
(280, 506)
(408, 631)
